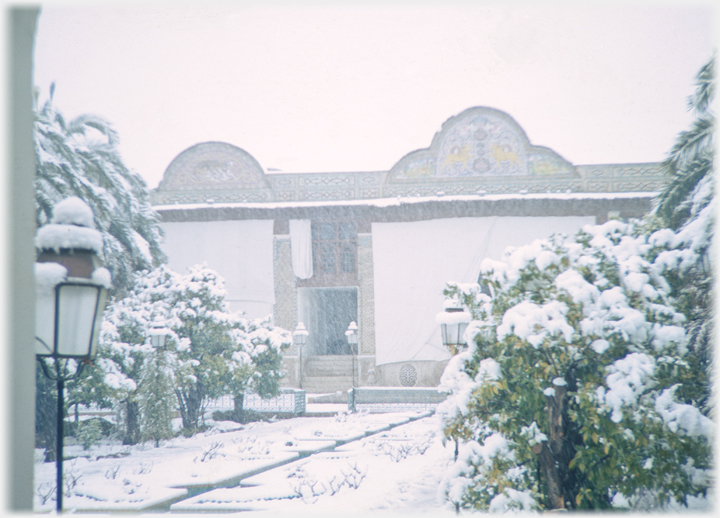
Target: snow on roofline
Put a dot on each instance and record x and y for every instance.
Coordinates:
(397, 201)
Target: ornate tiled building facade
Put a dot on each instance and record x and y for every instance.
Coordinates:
(479, 166)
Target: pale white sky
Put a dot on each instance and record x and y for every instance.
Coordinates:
(353, 86)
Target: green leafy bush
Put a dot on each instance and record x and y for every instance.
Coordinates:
(89, 433)
(581, 394)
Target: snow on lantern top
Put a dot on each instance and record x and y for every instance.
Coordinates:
(49, 275)
(73, 211)
(454, 313)
(452, 303)
(72, 227)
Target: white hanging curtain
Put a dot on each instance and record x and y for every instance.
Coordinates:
(224, 246)
(301, 245)
(412, 262)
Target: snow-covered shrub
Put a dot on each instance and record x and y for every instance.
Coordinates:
(254, 362)
(210, 351)
(583, 390)
(128, 366)
(226, 353)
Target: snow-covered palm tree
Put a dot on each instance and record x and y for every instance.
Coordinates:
(691, 158)
(687, 205)
(80, 158)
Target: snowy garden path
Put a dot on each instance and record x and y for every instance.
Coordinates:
(349, 462)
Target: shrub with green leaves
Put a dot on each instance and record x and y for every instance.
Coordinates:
(210, 351)
(576, 390)
(89, 433)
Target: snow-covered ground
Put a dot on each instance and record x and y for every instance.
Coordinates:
(350, 463)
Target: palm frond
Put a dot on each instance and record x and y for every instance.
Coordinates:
(72, 161)
(673, 202)
(698, 139)
(80, 123)
(701, 101)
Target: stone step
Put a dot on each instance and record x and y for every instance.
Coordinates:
(326, 384)
(330, 370)
(334, 397)
(341, 366)
(335, 358)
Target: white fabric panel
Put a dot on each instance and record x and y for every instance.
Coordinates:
(413, 261)
(301, 246)
(240, 251)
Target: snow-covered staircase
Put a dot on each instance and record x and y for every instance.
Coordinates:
(325, 374)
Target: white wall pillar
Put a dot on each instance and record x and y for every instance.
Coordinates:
(17, 278)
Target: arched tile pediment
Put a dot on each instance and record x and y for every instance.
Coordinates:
(213, 166)
(480, 142)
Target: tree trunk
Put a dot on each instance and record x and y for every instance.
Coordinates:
(238, 413)
(181, 405)
(190, 402)
(132, 423)
(555, 408)
(550, 473)
(46, 416)
(553, 454)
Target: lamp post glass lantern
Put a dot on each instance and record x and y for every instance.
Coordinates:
(300, 337)
(157, 333)
(453, 323)
(71, 292)
(352, 338)
(70, 320)
(76, 309)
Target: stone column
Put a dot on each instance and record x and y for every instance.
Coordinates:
(285, 298)
(285, 304)
(19, 373)
(366, 311)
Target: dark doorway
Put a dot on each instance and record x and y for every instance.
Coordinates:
(326, 313)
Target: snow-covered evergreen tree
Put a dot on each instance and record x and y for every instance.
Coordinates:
(80, 158)
(691, 158)
(155, 397)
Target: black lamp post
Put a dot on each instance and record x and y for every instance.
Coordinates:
(453, 323)
(70, 298)
(352, 338)
(300, 337)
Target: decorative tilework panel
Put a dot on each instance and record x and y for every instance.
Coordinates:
(370, 193)
(328, 195)
(328, 180)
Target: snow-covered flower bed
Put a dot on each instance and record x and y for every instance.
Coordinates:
(348, 461)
